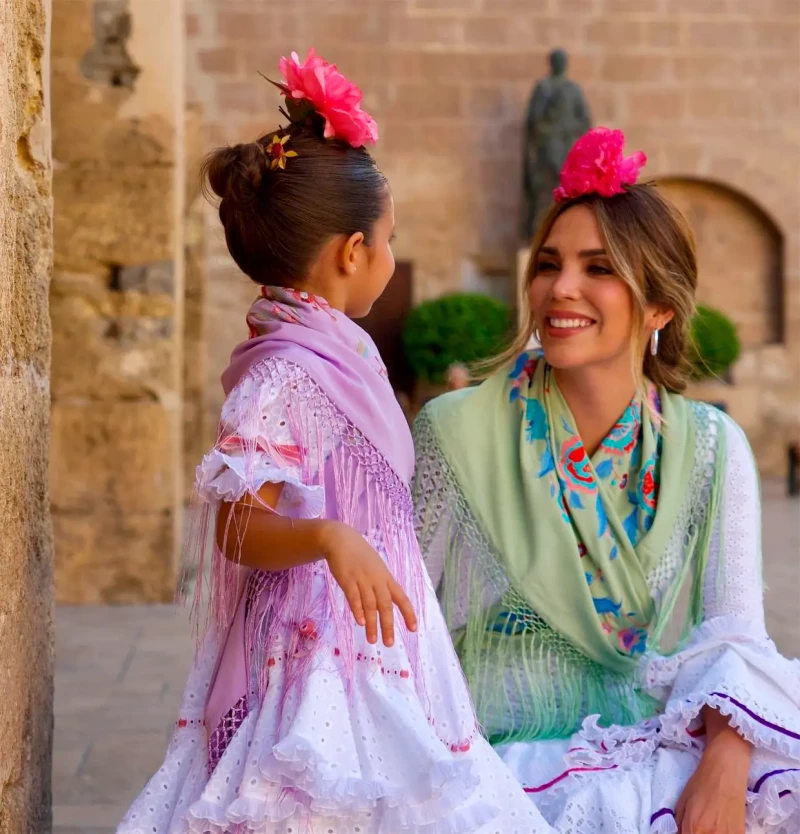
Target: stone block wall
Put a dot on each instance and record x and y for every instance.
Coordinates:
(26, 566)
(707, 87)
(117, 298)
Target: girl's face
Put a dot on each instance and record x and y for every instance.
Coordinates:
(374, 266)
(583, 311)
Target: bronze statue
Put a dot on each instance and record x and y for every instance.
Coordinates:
(557, 116)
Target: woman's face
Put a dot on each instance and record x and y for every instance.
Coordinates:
(583, 311)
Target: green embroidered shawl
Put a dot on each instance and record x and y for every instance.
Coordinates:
(574, 539)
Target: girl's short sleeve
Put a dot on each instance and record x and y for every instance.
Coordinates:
(256, 445)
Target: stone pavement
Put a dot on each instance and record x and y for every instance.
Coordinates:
(120, 673)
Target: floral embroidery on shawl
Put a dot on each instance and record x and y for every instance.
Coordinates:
(582, 484)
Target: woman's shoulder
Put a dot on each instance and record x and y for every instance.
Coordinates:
(739, 456)
(438, 412)
(514, 372)
(732, 445)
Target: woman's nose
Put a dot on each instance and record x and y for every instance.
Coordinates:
(567, 283)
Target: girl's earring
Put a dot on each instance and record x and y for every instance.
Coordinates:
(654, 343)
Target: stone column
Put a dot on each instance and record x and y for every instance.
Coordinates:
(26, 571)
(198, 432)
(116, 304)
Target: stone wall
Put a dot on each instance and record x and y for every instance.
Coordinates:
(742, 273)
(26, 568)
(117, 298)
(707, 87)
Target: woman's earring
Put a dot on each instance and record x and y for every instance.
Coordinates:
(654, 342)
(536, 335)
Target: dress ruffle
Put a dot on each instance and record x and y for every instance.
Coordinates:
(733, 666)
(629, 779)
(222, 477)
(329, 755)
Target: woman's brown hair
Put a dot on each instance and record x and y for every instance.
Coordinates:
(651, 247)
(277, 220)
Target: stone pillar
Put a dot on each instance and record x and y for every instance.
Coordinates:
(198, 431)
(26, 638)
(116, 303)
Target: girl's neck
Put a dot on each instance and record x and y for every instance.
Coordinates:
(597, 398)
(332, 291)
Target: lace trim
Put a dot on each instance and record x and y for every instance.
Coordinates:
(694, 512)
(228, 727)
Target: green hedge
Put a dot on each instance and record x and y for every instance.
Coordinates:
(462, 327)
(715, 343)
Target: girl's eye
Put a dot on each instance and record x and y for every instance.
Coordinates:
(546, 266)
(598, 269)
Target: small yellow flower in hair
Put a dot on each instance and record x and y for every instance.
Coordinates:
(277, 153)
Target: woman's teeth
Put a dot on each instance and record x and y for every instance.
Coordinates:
(570, 323)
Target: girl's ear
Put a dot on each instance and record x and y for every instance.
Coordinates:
(350, 252)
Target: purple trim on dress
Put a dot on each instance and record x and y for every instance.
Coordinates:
(219, 740)
(564, 775)
(776, 727)
(664, 812)
(757, 786)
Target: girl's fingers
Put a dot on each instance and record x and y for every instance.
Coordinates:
(353, 596)
(403, 603)
(386, 611)
(370, 611)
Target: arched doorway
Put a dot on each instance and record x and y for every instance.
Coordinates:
(740, 257)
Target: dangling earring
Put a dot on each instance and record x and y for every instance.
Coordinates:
(536, 335)
(654, 342)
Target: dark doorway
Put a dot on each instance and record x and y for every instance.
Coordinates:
(385, 324)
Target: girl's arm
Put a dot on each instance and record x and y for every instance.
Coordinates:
(251, 533)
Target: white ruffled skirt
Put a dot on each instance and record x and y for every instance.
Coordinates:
(628, 780)
(317, 759)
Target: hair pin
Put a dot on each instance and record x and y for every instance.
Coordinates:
(276, 152)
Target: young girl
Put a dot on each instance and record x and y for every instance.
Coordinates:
(295, 718)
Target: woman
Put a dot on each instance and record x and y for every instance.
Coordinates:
(595, 540)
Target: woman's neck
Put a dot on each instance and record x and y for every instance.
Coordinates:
(597, 398)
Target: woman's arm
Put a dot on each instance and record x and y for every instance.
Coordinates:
(715, 797)
(733, 581)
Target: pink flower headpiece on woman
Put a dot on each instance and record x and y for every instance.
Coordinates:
(315, 86)
(595, 165)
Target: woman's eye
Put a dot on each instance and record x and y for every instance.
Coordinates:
(546, 266)
(598, 269)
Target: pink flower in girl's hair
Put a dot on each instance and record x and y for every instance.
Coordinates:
(335, 98)
(595, 165)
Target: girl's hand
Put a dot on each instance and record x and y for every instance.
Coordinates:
(713, 801)
(370, 588)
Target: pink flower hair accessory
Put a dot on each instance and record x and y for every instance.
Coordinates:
(595, 165)
(315, 86)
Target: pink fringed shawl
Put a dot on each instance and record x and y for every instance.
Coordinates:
(353, 439)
